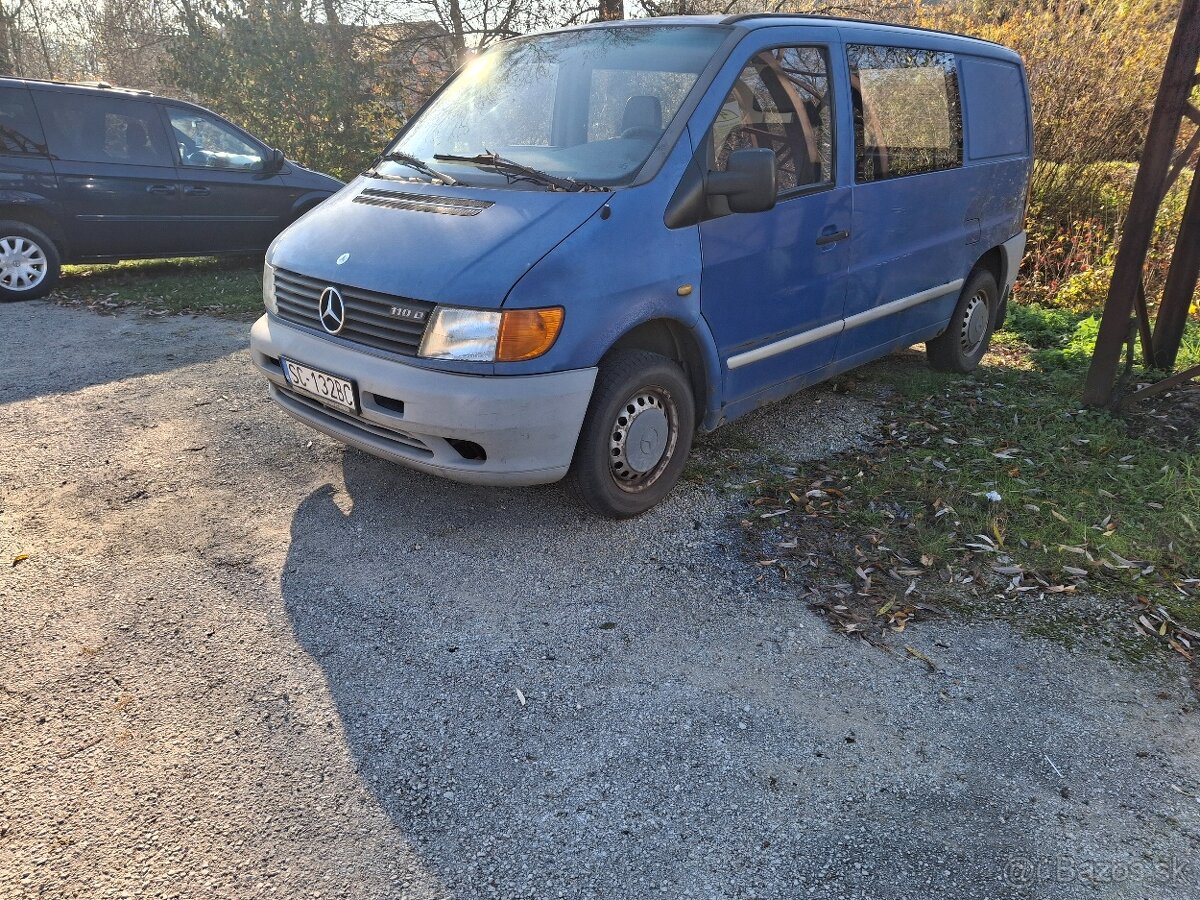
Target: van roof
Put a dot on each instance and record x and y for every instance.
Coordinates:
(754, 21)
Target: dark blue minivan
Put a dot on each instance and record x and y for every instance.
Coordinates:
(91, 172)
(593, 242)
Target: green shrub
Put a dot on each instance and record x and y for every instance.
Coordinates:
(1076, 348)
(1040, 327)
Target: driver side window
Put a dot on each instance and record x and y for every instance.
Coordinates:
(781, 101)
(205, 142)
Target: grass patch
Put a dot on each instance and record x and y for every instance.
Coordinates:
(230, 287)
(1000, 485)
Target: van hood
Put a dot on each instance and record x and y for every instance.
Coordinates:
(455, 245)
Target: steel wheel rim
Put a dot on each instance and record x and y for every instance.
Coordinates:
(23, 264)
(642, 439)
(974, 323)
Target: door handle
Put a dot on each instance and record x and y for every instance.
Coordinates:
(193, 191)
(160, 189)
(832, 237)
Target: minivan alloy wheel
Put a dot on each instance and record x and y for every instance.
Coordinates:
(23, 263)
(643, 439)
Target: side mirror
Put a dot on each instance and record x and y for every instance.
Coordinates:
(274, 161)
(748, 182)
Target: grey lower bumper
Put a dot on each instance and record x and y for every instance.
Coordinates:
(527, 425)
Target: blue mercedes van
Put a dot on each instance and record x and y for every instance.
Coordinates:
(591, 243)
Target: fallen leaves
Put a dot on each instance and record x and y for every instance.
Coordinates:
(917, 654)
(1056, 511)
(18, 559)
(1156, 621)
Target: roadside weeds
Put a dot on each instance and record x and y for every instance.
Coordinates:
(996, 496)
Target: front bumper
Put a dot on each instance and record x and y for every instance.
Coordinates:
(526, 425)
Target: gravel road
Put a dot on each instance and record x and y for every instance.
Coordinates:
(242, 662)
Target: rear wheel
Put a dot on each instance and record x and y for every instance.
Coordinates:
(636, 436)
(29, 262)
(964, 342)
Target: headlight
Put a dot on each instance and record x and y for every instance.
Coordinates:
(461, 334)
(491, 336)
(269, 288)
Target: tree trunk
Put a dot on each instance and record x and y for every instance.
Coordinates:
(458, 33)
(7, 30)
(611, 10)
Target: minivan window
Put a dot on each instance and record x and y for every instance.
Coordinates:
(907, 118)
(589, 105)
(781, 102)
(206, 142)
(99, 128)
(20, 131)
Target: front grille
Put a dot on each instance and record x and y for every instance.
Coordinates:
(383, 321)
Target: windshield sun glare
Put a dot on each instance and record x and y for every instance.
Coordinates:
(588, 105)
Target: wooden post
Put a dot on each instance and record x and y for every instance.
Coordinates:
(1177, 80)
(1181, 284)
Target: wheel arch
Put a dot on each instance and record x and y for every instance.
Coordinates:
(22, 210)
(994, 262)
(307, 201)
(676, 341)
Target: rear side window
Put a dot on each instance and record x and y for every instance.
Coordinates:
(781, 102)
(907, 114)
(98, 128)
(997, 112)
(20, 131)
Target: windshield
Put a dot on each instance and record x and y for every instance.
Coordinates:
(588, 105)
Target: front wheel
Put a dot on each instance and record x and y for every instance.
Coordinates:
(964, 342)
(636, 436)
(29, 262)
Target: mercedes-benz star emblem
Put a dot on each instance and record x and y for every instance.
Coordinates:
(332, 310)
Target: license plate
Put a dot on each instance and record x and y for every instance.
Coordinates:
(331, 389)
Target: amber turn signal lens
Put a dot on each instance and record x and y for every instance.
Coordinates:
(526, 333)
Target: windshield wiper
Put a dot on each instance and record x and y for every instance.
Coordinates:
(414, 162)
(516, 170)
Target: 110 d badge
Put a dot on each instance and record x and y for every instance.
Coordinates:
(412, 315)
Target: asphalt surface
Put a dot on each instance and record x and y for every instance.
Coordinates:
(242, 662)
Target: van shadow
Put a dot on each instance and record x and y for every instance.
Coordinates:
(549, 704)
(51, 349)
(480, 647)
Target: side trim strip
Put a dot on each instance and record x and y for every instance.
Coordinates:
(903, 303)
(863, 318)
(790, 343)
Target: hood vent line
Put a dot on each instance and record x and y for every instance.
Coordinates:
(447, 206)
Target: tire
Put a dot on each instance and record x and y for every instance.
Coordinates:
(964, 342)
(29, 262)
(636, 435)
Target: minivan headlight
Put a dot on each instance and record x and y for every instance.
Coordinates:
(491, 336)
(269, 288)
